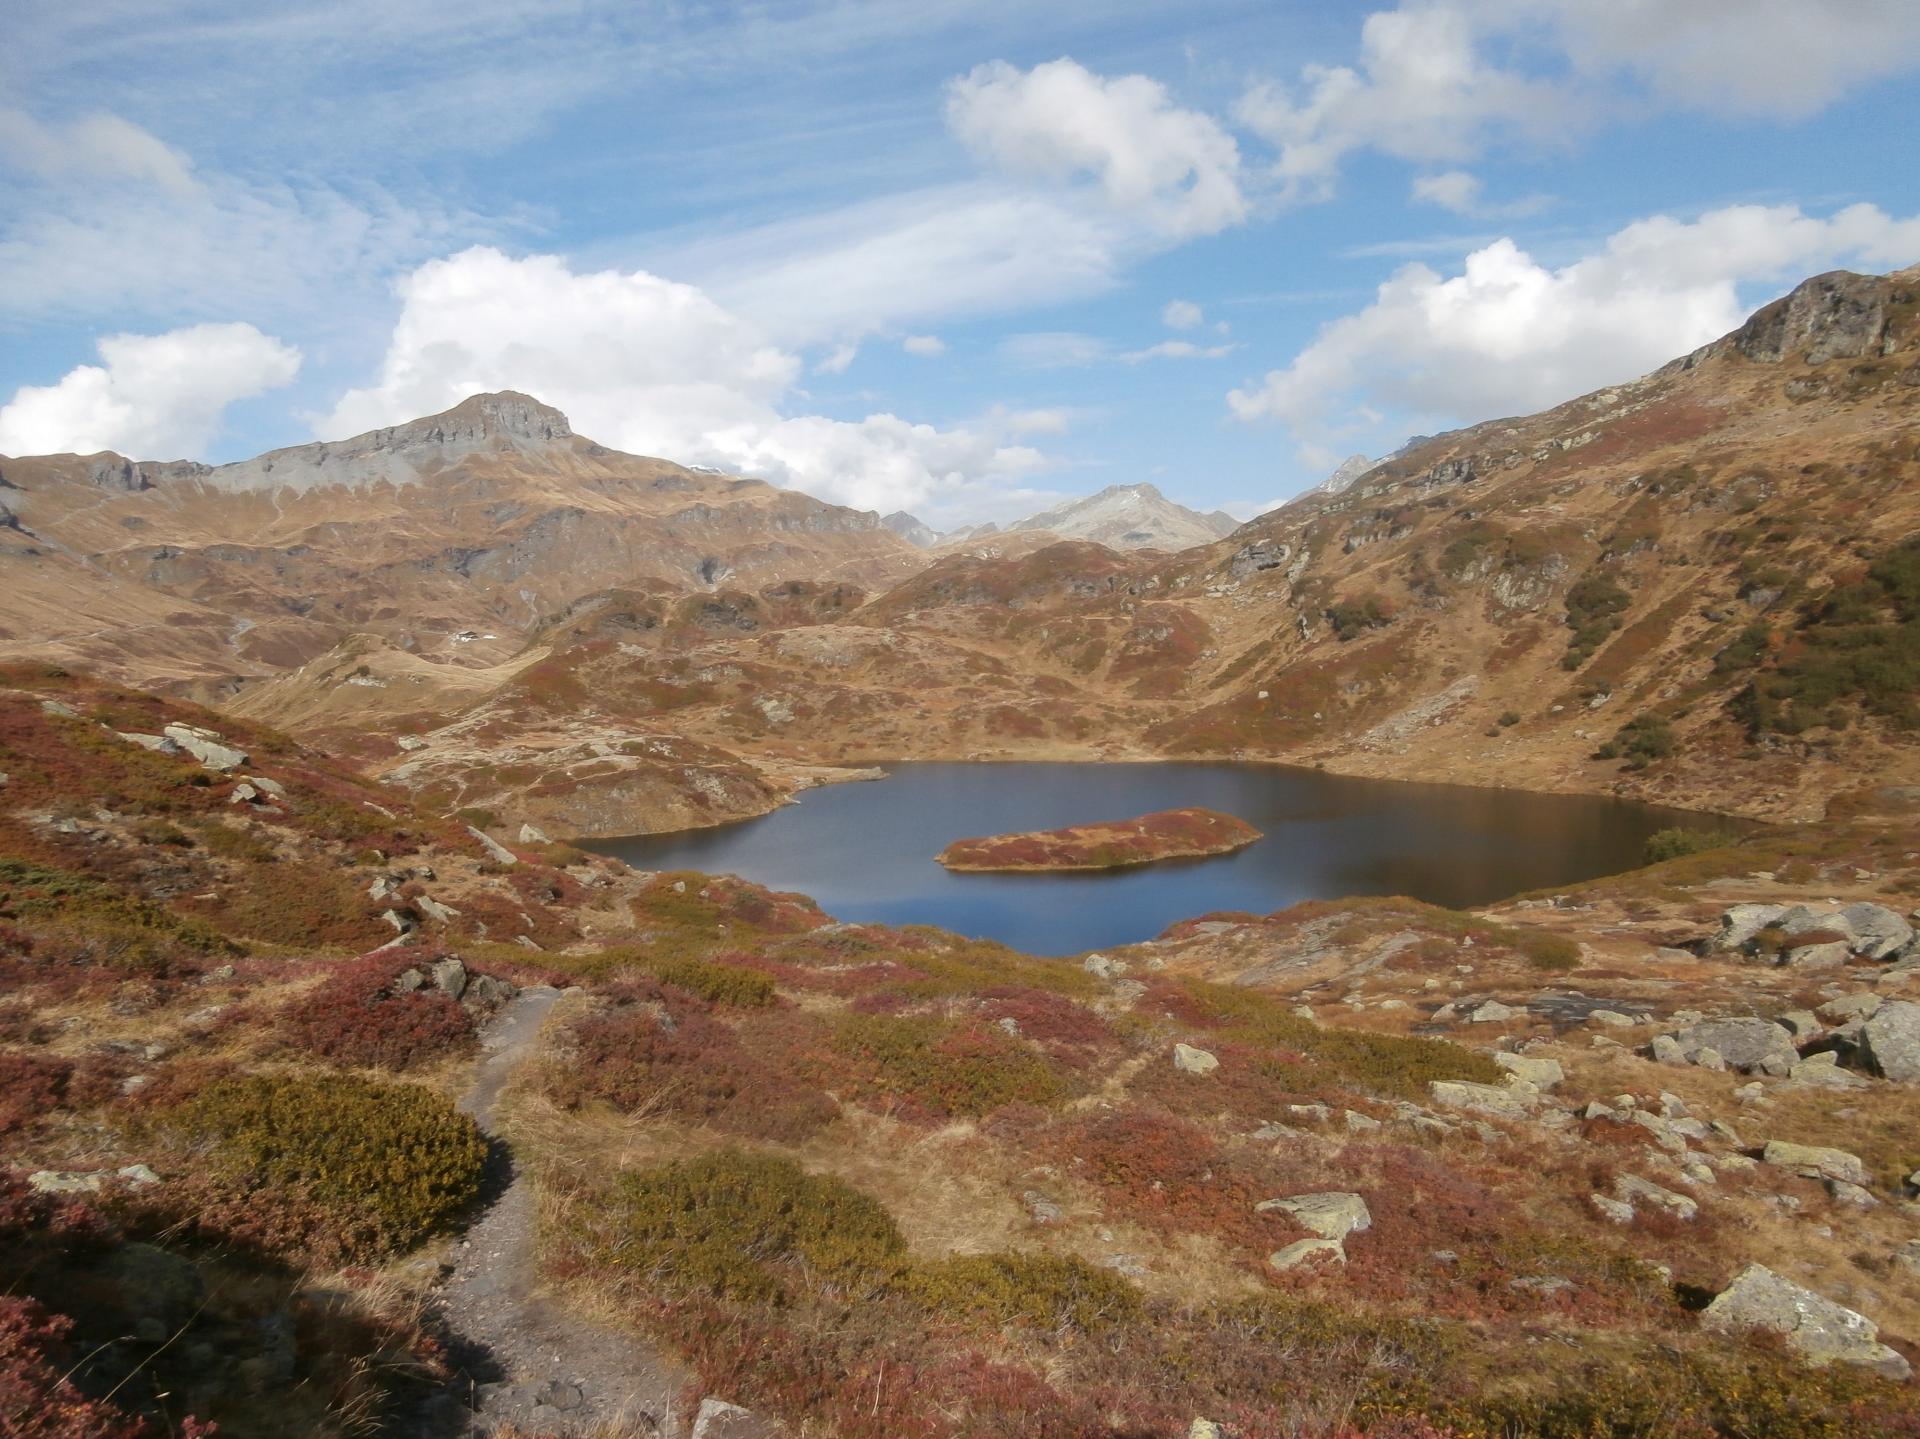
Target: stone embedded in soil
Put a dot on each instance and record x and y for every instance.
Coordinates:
(1822, 1331)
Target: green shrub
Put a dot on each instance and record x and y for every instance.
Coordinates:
(1546, 951)
(1354, 617)
(950, 1069)
(397, 1155)
(1666, 844)
(1397, 1065)
(1048, 1290)
(752, 1227)
(1509, 719)
(1594, 606)
(1640, 741)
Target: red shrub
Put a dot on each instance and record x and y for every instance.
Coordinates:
(358, 1017)
(660, 1050)
(31, 1085)
(37, 1401)
(1164, 1168)
(1046, 1018)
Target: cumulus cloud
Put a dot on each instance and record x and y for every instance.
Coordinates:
(1421, 91)
(1438, 82)
(152, 397)
(925, 346)
(660, 368)
(1182, 315)
(1177, 169)
(1510, 335)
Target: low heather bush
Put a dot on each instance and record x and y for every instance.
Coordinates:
(359, 1017)
(394, 1161)
(657, 1050)
(754, 1227)
(1049, 1291)
(944, 1069)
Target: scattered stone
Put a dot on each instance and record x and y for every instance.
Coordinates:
(1823, 1332)
(533, 834)
(1828, 954)
(1541, 1073)
(1332, 1215)
(1890, 1040)
(158, 743)
(1101, 967)
(500, 854)
(244, 793)
(67, 1181)
(717, 1419)
(1612, 1019)
(410, 742)
(450, 977)
(269, 786)
(137, 1176)
(1823, 1071)
(1907, 1257)
(1742, 922)
(1618, 1211)
(1861, 1004)
(1041, 1209)
(1358, 1123)
(1803, 1023)
(1877, 932)
(1313, 1113)
(1548, 1284)
(1634, 1190)
(1204, 1429)
(434, 910)
(1493, 1012)
(1189, 1060)
(1506, 1102)
(1851, 1194)
(1303, 1011)
(59, 710)
(1667, 1050)
(1815, 1162)
(206, 746)
(1745, 1044)
(1303, 1250)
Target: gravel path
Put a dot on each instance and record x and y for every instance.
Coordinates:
(521, 1359)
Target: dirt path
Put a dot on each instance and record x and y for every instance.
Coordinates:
(522, 1360)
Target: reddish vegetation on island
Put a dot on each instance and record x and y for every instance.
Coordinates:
(1116, 844)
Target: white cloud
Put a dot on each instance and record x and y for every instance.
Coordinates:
(925, 346)
(154, 397)
(100, 217)
(99, 145)
(904, 260)
(1182, 315)
(1509, 335)
(1454, 190)
(1782, 59)
(1178, 350)
(1069, 349)
(1174, 168)
(661, 368)
(1422, 92)
(1442, 81)
(838, 360)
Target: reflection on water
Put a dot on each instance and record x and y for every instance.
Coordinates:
(866, 851)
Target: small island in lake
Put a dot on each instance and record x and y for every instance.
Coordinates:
(1116, 844)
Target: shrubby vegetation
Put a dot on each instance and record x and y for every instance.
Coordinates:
(1856, 646)
(359, 1016)
(1594, 606)
(394, 1161)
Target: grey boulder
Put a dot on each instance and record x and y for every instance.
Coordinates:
(1822, 1331)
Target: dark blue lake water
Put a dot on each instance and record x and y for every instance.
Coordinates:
(866, 851)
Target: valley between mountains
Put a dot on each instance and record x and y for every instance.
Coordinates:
(294, 754)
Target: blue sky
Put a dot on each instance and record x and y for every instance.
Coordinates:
(960, 258)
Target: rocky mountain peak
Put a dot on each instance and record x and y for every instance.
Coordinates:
(502, 422)
(1835, 316)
